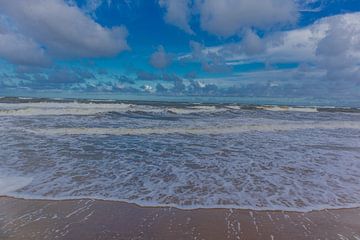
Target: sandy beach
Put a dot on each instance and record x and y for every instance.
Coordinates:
(93, 219)
(180, 119)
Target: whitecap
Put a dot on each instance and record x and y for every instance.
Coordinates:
(287, 108)
(271, 127)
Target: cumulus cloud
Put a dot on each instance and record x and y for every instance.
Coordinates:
(229, 17)
(62, 29)
(148, 88)
(211, 61)
(160, 59)
(330, 44)
(201, 88)
(252, 44)
(178, 13)
(339, 50)
(325, 59)
(18, 49)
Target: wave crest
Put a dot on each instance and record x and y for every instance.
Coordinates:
(283, 126)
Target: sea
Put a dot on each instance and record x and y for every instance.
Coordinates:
(179, 154)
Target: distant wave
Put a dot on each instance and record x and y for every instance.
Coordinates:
(20, 106)
(76, 108)
(286, 108)
(92, 109)
(282, 126)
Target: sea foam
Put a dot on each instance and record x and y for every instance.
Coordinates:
(270, 127)
(91, 108)
(9, 184)
(186, 156)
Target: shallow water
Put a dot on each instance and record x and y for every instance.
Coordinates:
(188, 156)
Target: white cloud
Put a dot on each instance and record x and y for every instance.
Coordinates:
(62, 29)
(178, 13)
(279, 47)
(230, 17)
(294, 46)
(18, 49)
(211, 61)
(331, 44)
(339, 51)
(160, 59)
(252, 44)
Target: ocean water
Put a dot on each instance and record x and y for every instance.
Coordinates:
(182, 155)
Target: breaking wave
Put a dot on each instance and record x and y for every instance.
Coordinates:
(31, 108)
(181, 155)
(283, 126)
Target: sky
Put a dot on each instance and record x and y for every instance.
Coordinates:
(291, 49)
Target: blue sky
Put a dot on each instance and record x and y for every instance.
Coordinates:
(212, 48)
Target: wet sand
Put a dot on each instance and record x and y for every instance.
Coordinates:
(93, 219)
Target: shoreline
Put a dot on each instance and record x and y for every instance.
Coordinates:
(105, 219)
(178, 207)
